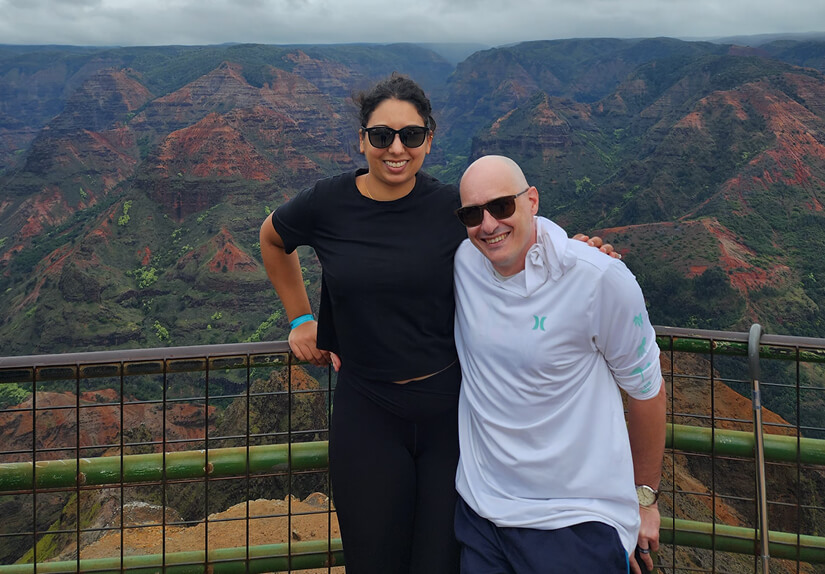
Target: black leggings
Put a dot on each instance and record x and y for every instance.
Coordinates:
(393, 453)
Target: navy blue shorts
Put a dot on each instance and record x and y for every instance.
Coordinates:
(586, 548)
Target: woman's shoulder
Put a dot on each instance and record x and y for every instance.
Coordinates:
(433, 182)
(431, 185)
(334, 183)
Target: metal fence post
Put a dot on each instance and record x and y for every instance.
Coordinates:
(759, 456)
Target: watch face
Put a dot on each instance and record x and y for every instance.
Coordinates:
(647, 495)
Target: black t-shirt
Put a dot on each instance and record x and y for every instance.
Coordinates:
(387, 301)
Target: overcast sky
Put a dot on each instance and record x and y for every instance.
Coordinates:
(489, 22)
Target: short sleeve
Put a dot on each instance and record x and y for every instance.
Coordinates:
(295, 220)
(624, 334)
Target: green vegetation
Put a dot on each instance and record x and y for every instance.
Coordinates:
(145, 277)
(144, 146)
(703, 302)
(584, 186)
(206, 213)
(184, 250)
(12, 394)
(50, 545)
(216, 316)
(264, 327)
(449, 172)
(124, 219)
(161, 332)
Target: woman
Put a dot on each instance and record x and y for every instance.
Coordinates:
(385, 237)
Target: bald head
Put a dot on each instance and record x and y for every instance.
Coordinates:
(503, 238)
(502, 171)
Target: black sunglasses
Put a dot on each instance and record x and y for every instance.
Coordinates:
(500, 208)
(382, 136)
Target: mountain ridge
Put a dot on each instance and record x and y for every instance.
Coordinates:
(613, 132)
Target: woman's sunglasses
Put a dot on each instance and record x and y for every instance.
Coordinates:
(500, 208)
(382, 136)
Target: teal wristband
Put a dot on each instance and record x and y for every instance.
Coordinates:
(300, 320)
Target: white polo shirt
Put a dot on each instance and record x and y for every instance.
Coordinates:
(543, 354)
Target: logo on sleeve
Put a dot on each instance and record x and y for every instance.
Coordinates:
(640, 350)
(647, 385)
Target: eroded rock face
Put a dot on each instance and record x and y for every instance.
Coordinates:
(31, 96)
(81, 155)
(102, 102)
(99, 425)
(220, 129)
(78, 286)
(91, 129)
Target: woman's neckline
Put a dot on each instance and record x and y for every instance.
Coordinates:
(365, 192)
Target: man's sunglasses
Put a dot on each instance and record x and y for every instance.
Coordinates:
(382, 136)
(500, 208)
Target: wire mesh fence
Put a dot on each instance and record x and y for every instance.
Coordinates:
(215, 457)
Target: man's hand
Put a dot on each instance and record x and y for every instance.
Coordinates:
(599, 244)
(648, 540)
(303, 342)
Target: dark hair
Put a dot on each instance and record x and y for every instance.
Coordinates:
(396, 87)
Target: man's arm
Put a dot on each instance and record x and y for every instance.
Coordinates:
(646, 428)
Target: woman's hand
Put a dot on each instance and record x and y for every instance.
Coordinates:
(303, 342)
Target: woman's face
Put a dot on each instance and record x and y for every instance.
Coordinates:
(395, 166)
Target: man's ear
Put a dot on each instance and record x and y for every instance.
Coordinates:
(533, 196)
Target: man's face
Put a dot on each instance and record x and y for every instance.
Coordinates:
(504, 242)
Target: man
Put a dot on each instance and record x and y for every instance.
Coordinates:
(551, 477)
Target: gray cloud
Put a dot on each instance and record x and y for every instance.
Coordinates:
(151, 22)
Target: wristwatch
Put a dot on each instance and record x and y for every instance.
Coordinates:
(647, 495)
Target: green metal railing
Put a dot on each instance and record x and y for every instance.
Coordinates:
(137, 468)
(77, 474)
(227, 462)
(255, 559)
(313, 456)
